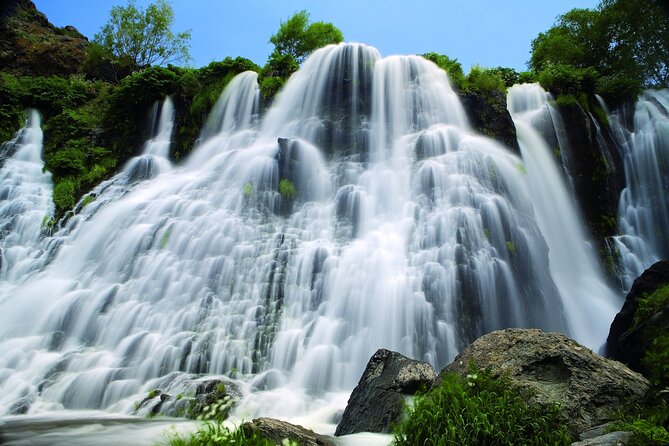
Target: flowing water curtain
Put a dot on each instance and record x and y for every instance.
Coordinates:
(643, 210)
(360, 212)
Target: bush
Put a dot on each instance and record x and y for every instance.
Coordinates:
(63, 196)
(562, 79)
(211, 434)
(451, 66)
(479, 410)
(485, 80)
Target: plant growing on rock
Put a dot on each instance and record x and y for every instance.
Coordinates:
(479, 410)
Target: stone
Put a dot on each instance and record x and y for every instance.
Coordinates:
(277, 431)
(488, 114)
(379, 398)
(628, 341)
(618, 438)
(554, 369)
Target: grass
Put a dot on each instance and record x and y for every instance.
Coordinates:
(479, 410)
(215, 434)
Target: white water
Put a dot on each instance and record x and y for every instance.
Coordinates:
(403, 229)
(643, 210)
(588, 302)
(25, 201)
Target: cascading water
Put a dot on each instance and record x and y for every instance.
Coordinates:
(588, 302)
(25, 200)
(361, 212)
(643, 210)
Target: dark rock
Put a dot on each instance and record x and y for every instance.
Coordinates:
(31, 46)
(618, 438)
(277, 431)
(555, 369)
(596, 171)
(378, 399)
(488, 114)
(628, 341)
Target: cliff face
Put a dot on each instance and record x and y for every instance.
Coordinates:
(31, 46)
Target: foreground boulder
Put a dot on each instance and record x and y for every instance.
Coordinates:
(378, 399)
(277, 431)
(633, 331)
(590, 389)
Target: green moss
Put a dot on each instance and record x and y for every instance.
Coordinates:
(63, 195)
(479, 410)
(648, 305)
(287, 189)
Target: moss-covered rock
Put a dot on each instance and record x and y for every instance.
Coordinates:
(639, 335)
(488, 114)
(31, 46)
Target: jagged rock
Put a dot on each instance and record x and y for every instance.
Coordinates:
(628, 340)
(611, 439)
(556, 369)
(378, 399)
(488, 115)
(277, 431)
(31, 46)
(596, 170)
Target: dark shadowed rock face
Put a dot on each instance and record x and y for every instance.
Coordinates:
(629, 339)
(277, 431)
(378, 399)
(488, 115)
(556, 369)
(31, 46)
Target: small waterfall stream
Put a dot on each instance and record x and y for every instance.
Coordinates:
(589, 303)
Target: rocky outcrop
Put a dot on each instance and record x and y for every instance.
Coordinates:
(632, 334)
(379, 398)
(596, 171)
(277, 431)
(617, 438)
(488, 114)
(31, 46)
(556, 369)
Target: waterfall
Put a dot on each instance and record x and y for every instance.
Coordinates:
(25, 200)
(588, 302)
(643, 209)
(361, 211)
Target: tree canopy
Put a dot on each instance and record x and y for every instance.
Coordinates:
(621, 43)
(144, 36)
(298, 38)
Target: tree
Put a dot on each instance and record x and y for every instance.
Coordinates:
(143, 37)
(298, 38)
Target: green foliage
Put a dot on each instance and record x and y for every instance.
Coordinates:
(563, 79)
(649, 427)
(287, 189)
(248, 189)
(485, 80)
(451, 66)
(648, 305)
(297, 38)
(656, 361)
(479, 410)
(143, 36)
(63, 195)
(215, 434)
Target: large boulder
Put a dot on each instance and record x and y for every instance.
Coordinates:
(379, 398)
(632, 332)
(555, 369)
(277, 431)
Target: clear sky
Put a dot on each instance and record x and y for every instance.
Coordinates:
(486, 32)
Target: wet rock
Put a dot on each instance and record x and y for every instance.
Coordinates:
(277, 431)
(488, 114)
(555, 369)
(628, 341)
(379, 398)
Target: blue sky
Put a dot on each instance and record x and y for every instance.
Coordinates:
(486, 32)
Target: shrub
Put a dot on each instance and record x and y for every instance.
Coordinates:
(451, 66)
(565, 79)
(485, 80)
(479, 410)
(210, 434)
(287, 189)
(63, 196)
